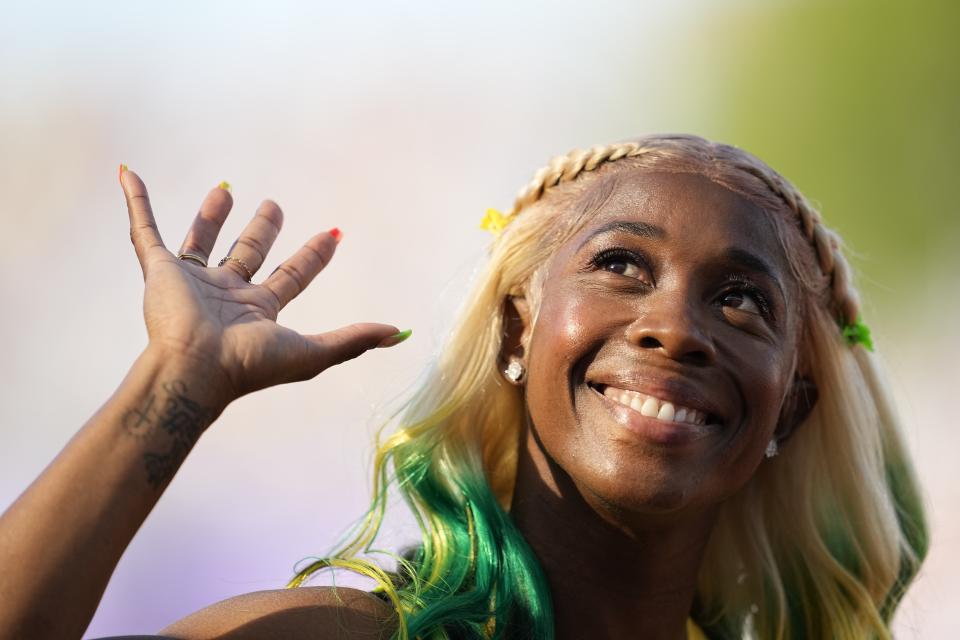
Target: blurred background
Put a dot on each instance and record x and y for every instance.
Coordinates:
(401, 123)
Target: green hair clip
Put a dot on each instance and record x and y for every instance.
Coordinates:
(858, 333)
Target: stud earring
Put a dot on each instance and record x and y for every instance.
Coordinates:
(772, 448)
(514, 371)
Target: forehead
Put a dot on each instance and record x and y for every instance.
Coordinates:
(687, 208)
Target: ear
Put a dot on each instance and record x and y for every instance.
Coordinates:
(800, 401)
(516, 329)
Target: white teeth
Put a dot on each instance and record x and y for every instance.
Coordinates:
(653, 408)
(666, 412)
(650, 408)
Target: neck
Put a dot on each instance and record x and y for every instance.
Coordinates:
(611, 575)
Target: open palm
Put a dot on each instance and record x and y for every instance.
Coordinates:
(217, 318)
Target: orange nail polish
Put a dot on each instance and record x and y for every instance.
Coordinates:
(123, 168)
(336, 233)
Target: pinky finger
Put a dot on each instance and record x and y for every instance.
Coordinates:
(144, 233)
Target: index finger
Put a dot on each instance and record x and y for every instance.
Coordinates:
(144, 233)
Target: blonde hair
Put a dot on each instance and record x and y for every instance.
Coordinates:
(821, 542)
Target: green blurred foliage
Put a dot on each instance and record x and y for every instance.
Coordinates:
(858, 103)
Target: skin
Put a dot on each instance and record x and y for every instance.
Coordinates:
(619, 513)
(619, 520)
(213, 337)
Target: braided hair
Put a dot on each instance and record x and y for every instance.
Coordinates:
(658, 150)
(820, 543)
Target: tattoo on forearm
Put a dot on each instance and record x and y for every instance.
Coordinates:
(173, 417)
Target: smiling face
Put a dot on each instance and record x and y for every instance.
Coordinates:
(664, 345)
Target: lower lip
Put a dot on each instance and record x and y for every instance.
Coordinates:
(658, 431)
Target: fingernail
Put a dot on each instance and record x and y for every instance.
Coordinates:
(396, 338)
(123, 168)
(336, 233)
(225, 186)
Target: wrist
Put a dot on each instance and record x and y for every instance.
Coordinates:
(198, 381)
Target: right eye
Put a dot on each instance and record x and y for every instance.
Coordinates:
(622, 262)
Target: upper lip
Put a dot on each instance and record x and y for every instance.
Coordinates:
(678, 391)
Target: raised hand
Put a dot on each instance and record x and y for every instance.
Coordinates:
(216, 318)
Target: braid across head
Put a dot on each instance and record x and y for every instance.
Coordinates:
(820, 543)
(727, 165)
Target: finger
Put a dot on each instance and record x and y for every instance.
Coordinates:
(256, 239)
(206, 226)
(289, 279)
(346, 343)
(144, 233)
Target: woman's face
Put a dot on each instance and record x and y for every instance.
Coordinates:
(664, 346)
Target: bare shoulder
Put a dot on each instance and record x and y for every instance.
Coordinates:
(314, 613)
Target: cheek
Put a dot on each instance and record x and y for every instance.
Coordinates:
(764, 377)
(564, 337)
(767, 393)
(567, 329)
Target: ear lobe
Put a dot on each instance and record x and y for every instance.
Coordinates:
(797, 406)
(516, 328)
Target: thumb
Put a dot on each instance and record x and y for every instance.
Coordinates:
(333, 347)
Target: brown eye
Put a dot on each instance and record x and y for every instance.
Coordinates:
(622, 262)
(742, 301)
(623, 267)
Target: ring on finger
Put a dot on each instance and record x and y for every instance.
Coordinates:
(240, 262)
(200, 260)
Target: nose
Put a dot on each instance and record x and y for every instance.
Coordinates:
(673, 328)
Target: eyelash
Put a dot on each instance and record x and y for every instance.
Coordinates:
(736, 283)
(607, 256)
(740, 284)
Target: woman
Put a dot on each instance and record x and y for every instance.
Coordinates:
(657, 418)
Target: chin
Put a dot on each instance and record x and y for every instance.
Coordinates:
(620, 487)
(655, 495)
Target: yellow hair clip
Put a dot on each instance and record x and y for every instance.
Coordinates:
(494, 222)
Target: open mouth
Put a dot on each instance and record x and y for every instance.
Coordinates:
(653, 407)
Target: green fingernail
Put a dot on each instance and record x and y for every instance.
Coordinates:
(225, 186)
(396, 338)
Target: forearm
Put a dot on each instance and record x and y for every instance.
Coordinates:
(62, 538)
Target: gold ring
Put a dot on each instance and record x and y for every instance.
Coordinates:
(239, 262)
(194, 257)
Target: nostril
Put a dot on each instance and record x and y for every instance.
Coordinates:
(697, 358)
(649, 342)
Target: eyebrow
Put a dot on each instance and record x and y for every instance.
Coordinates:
(642, 229)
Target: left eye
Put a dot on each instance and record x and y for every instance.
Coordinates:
(742, 301)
